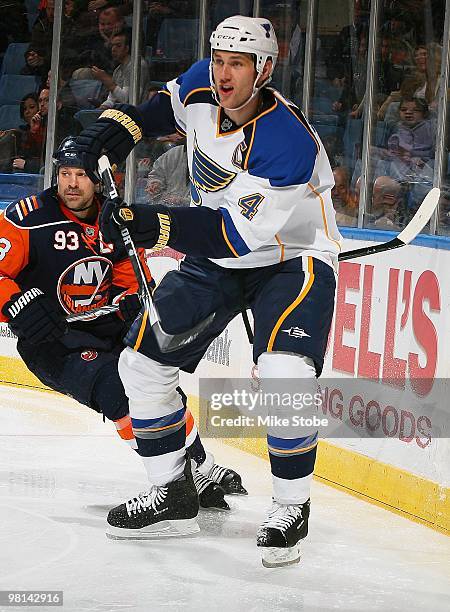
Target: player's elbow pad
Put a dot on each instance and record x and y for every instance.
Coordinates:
(115, 133)
(198, 232)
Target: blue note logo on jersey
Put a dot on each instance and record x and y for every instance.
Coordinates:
(207, 175)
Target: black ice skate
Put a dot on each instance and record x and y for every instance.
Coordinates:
(228, 479)
(161, 512)
(210, 494)
(279, 536)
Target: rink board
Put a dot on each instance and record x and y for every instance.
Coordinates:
(392, 314)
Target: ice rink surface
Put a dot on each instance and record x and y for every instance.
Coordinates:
(62, 468)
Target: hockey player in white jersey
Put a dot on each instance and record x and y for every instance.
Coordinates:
(261, 232)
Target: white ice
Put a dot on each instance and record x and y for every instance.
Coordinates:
(62, 468)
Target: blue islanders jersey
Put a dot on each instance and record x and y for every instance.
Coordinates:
(270, 178)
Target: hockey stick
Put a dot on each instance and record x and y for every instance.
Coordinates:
(92, 314)
(166, 342)
(414, 227)
(407, 235)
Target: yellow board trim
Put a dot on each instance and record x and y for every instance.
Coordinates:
(413, 497)
(418, 499)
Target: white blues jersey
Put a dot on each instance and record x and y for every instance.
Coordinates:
(270, 178)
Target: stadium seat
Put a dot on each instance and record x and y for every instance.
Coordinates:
(13, 87)
(14, 59)
(10, 116)
(177, 38)
(15, 186)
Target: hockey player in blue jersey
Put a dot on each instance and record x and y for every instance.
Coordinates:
(261, 232)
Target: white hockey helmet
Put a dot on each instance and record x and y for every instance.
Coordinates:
(247, 35)
(241, 34)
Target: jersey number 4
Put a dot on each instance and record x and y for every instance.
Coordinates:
(249, 205)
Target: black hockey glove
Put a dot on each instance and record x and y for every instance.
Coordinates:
(115, 132)
(149, 226)
(34, 317)
(130, 306)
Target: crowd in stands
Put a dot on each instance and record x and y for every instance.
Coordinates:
(95, 73)
(407, 86)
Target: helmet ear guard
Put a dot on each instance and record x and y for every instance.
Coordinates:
(241, 34)
(69, 154)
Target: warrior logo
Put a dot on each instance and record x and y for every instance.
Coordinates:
(207, 175)
(85, 285)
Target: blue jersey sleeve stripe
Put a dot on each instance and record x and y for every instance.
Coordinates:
(232, 236)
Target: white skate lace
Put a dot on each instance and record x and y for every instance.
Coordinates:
(282, 517)
(146, 500)
(201, 481)
(217, 472)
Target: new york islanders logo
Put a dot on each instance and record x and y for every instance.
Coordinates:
(85, 285)
(207, 175)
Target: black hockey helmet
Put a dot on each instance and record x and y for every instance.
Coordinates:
(68, 154)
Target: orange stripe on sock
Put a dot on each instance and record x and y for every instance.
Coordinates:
(124, 428)
(189, 422)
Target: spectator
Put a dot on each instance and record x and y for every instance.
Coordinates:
(422, 82)
(96, 43)
(344, 202)
(118, 84)
(410, 153)
(110, 22)
(27, 144)
(386, 204)
(13, 23)
(168, 181)
(30, 158)
(65, 125)
(42, 31)
(413, 138)
(400, 65)
(35, 62)
(148, 150)
(342, 56)
(399, 26)
(355, 82)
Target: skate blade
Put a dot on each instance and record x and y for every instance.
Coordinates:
(225, 509)
(234, 489)
(280, 557)
(163, 529)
